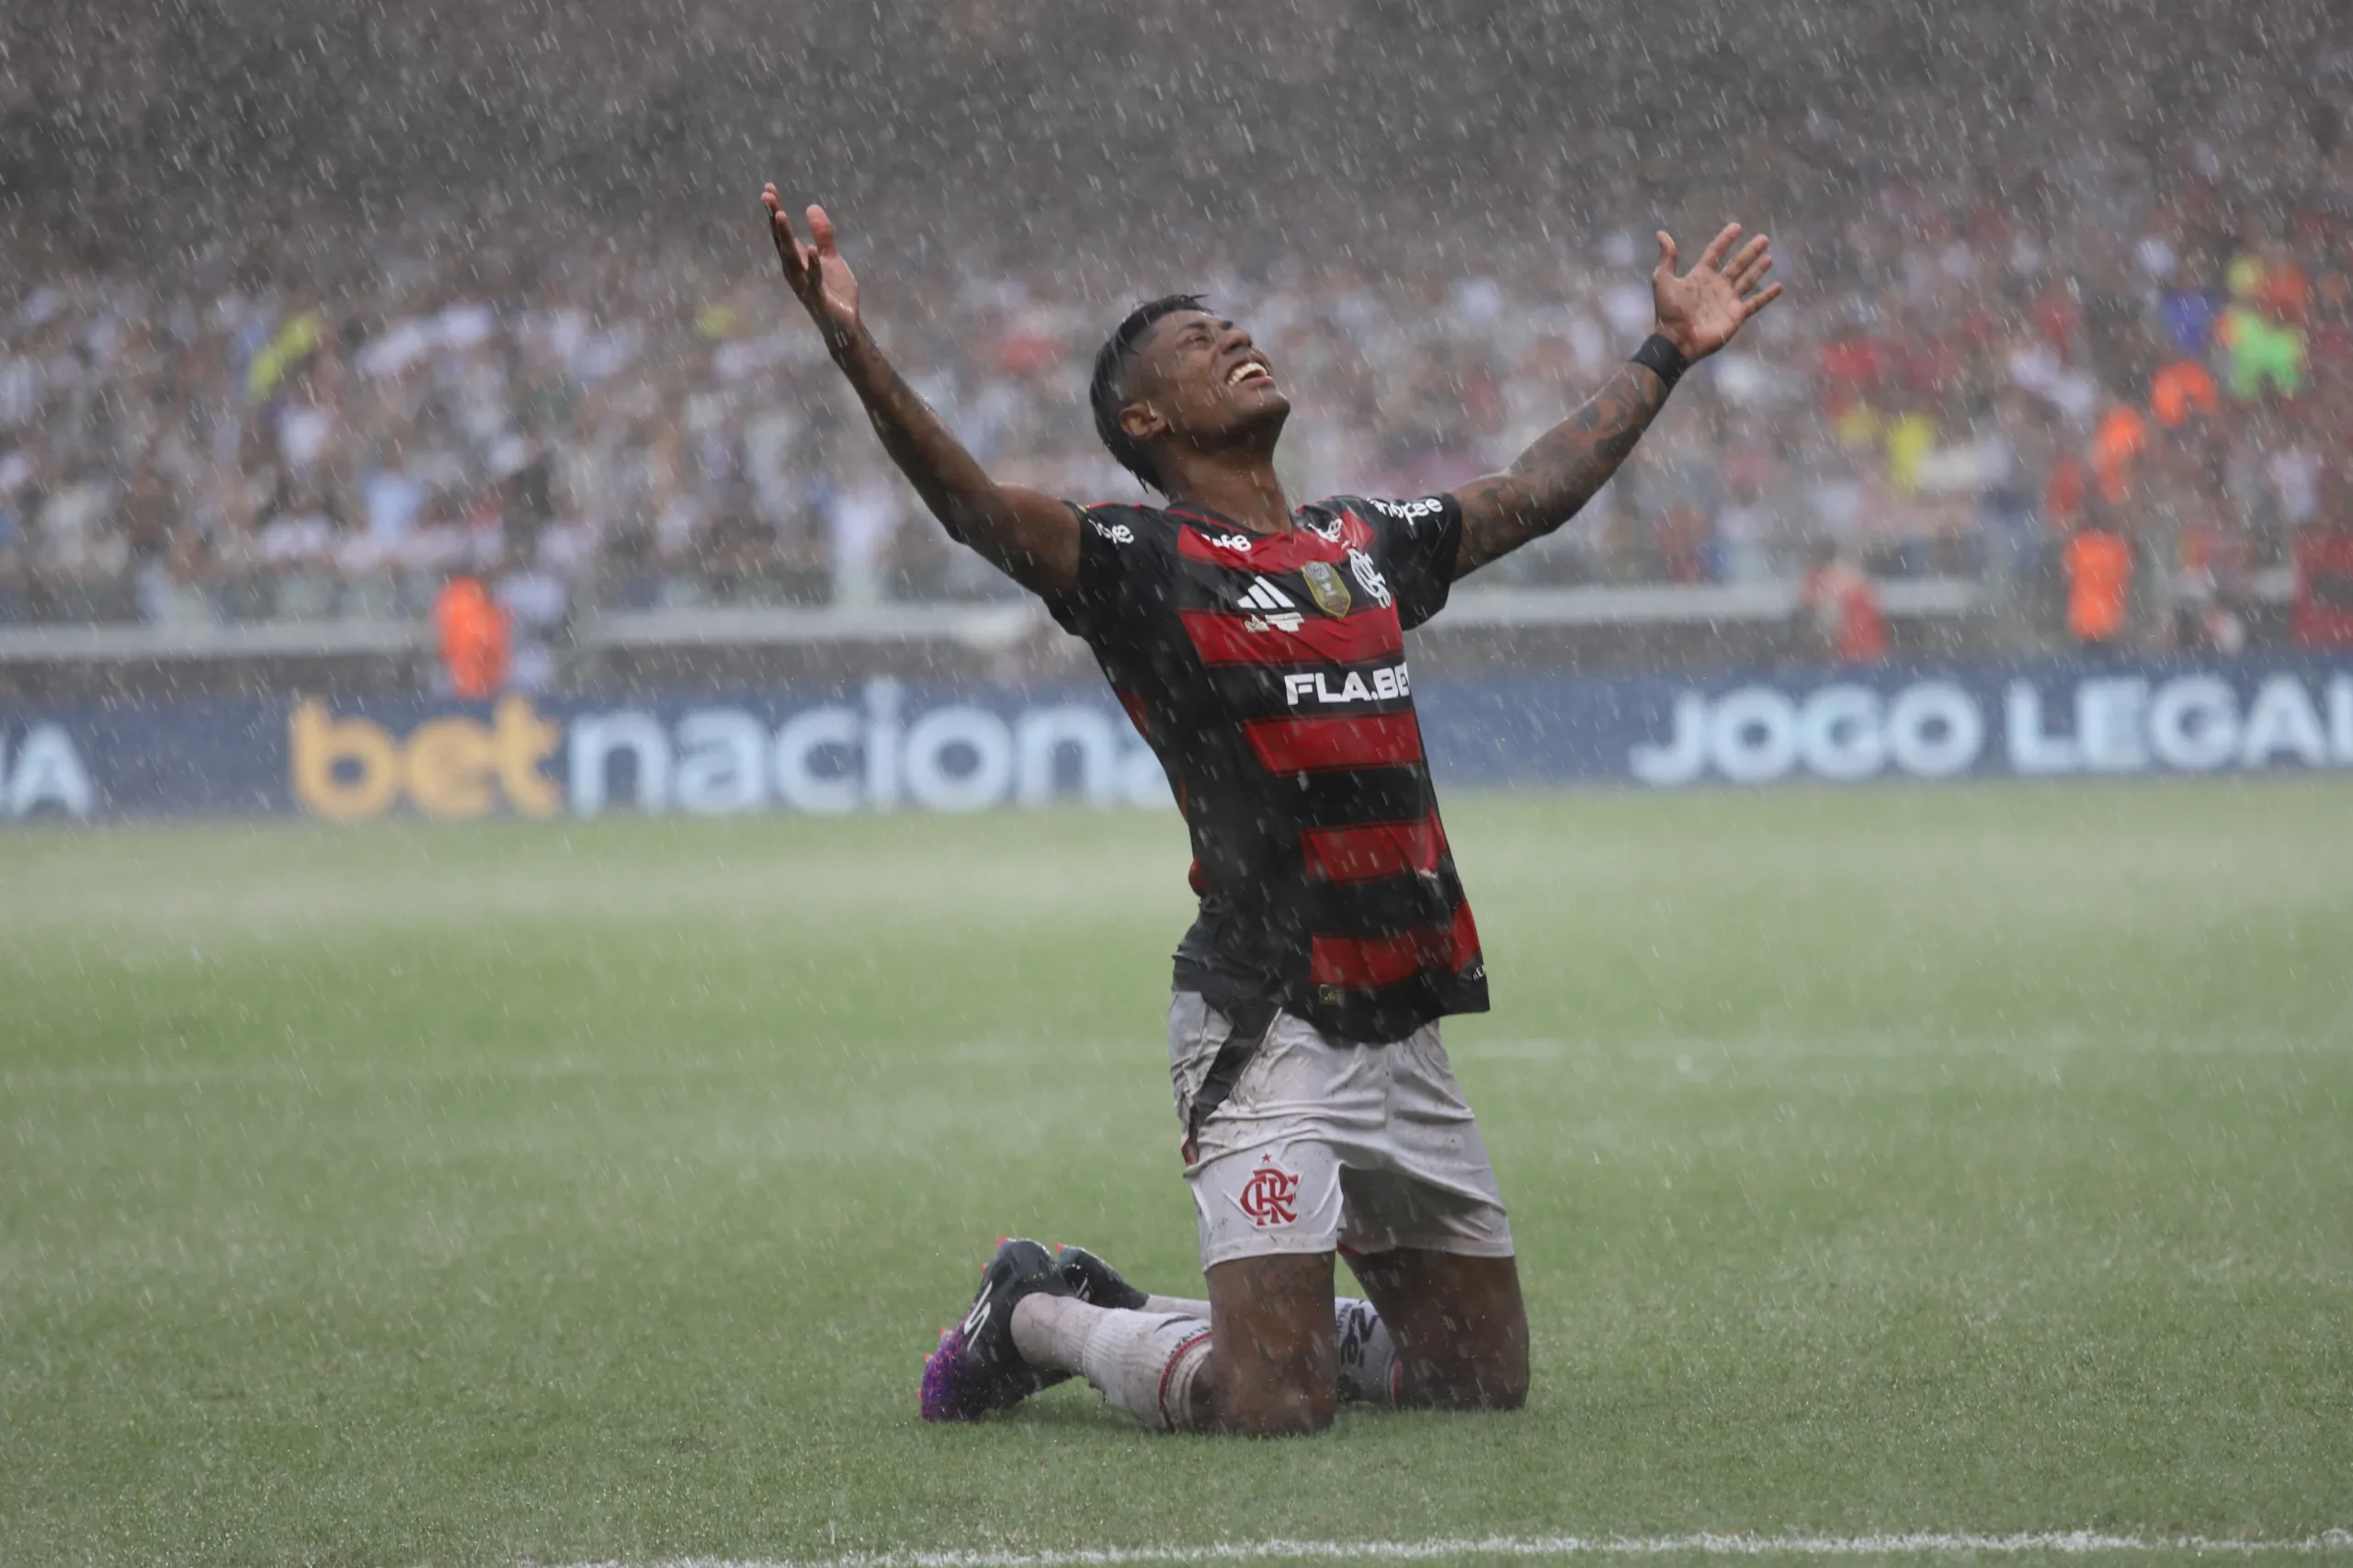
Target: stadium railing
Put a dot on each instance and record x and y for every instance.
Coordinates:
(978, 625)
(1681, 625)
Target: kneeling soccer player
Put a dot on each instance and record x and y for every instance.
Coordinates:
(1259, 649)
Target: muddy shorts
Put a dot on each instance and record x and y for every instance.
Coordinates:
(1318, 1145)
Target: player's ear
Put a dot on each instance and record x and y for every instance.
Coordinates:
(1142, 422)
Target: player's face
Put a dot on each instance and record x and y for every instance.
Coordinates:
(1208, 382)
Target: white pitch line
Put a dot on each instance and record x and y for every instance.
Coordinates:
(2068, 1543)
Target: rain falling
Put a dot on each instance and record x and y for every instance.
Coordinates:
(669, 672)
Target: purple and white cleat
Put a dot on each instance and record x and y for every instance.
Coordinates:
(976, 1367)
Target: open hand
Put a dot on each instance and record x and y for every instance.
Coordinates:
(815, 272)
(1699, 313)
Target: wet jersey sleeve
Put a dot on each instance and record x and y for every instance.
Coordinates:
(1111, 555)
(1418, 541)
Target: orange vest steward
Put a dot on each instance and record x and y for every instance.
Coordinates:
(2099, 579)
(473, 637)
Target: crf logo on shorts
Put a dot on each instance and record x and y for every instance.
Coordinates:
(1271, 1194)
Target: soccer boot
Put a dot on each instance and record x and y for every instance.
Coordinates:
(976, 1367)
(1096, 1283)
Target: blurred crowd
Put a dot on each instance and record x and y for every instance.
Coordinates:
(1964, 377)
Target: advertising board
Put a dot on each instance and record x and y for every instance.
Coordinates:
(884, 746)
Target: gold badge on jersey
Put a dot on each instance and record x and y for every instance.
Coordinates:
(1327, 587)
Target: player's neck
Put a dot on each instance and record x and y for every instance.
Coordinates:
(1244, 490)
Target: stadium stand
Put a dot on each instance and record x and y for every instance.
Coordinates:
(2001, 325)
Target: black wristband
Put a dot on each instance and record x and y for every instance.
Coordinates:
(1663, 359)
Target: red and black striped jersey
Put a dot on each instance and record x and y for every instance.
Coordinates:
(1267, 672)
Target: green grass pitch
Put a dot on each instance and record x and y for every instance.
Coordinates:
(1976, 1160)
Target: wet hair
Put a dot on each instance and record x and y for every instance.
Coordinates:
(1105, 391)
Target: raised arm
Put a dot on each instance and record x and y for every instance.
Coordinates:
(1029, 536)
(1547, 483)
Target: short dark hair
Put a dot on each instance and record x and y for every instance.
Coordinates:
(1111, 374)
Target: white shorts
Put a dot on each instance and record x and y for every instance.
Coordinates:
(1322, 1146)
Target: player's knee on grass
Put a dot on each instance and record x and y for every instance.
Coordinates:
(1460, 1325)
(1274, 1367)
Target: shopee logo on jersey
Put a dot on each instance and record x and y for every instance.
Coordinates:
(1386, 684)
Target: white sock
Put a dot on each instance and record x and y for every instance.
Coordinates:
(1369, 1366)
(1050, 1331)
(1368, 1350)
(1054, 1332)
(1144, 1362)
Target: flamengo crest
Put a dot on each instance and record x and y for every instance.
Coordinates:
(1271, 1194)
(1326, 587)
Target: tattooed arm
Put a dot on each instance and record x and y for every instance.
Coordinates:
(1546, 484)
(1029, 536)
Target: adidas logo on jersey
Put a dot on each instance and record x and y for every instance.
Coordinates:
(1277, 610)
